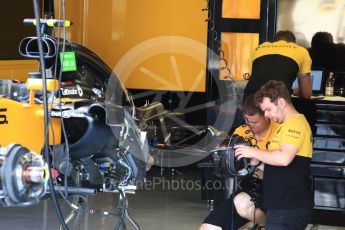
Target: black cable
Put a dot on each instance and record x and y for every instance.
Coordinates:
(215, 40)
(122, 207)
(62, 119)
(234, 190)
(254, 197)
(46, 114)
(58, 75)
(61, 8)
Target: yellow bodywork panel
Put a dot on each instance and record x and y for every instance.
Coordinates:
(36, 84)
(23, 124)
(17, 69)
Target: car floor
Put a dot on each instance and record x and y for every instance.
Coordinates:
(165, 202)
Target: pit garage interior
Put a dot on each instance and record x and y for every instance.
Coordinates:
(110, 111)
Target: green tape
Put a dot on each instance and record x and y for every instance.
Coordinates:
(69, 61)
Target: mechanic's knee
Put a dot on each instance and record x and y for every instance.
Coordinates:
(243, 205)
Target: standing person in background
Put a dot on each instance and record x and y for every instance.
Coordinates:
(323, 51)
(288, 197)
(280, 60)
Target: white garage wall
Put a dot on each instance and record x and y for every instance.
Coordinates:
(306, 17)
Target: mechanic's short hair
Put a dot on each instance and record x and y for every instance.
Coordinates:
(250, 108)
(273, 90)
(285, 35)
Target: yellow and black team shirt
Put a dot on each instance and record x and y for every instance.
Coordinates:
(280, 61)
(248, 135)
(289, 187)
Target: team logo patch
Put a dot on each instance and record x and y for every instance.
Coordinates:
(294, 131)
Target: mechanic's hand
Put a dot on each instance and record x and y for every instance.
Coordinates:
(244, 151)
(254, 161)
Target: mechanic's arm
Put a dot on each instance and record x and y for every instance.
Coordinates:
(280, 157)
(304, 85)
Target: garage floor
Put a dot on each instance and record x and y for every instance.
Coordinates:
(160, 205)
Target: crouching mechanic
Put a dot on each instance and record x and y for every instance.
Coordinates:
(258, 130)
(287, 183)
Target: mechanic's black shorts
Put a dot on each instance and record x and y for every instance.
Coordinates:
(288, 219)
(221, 216)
